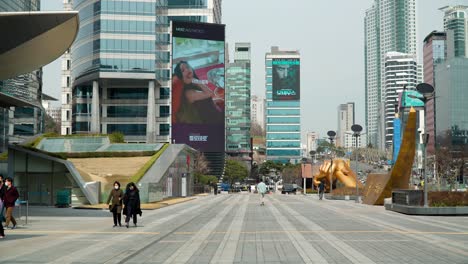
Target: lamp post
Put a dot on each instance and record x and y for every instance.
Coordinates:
(427, 91)
(357, 129)
(331, 136)
(304, 162)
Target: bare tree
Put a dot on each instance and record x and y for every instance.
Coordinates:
(200, 164)
(256, 130)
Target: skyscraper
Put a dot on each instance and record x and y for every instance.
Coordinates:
(238, 85)
(283, 106)
(401, 71)
(345, 121)
(389, 26)
(434, 53)
(456, 25)
(258, 111)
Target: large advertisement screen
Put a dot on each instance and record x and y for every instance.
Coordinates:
(286, 79)
(198, 85)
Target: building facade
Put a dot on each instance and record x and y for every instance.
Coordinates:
(283, 108)
(120, 67)
(434, 53)
(312, 142)
(389, 26)
(257, 114)
(401, 71)
(456, 25)
(238, 88)
(66, 85)
(25, 87)
(346, 118)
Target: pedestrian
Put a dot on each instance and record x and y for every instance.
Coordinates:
(2, 217)
(215, 188)
(262, 188)
(116, 198)
(9, 199)
(321, 189)
(132, 204)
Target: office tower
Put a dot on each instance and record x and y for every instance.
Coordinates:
(346, 115)
(434, 53)
(238, 88)
(283, 106)
(456, 27)
(389, 26)
(258, 111)
(401, 71)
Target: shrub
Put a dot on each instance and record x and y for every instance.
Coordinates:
(117, 137)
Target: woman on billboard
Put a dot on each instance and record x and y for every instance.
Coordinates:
(193, 100)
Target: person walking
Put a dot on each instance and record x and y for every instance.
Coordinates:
(131, 203)
(262, 188)
(116, 198)
(321, 189)
(10, 197)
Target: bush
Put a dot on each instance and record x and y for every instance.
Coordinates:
(116, 137)
(107, 154)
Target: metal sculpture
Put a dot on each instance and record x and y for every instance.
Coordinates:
(340, 171)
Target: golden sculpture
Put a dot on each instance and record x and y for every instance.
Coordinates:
(340, 171)
(380, 186)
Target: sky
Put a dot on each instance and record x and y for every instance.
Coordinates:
(329, 35)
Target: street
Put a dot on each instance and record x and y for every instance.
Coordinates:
(235, 229)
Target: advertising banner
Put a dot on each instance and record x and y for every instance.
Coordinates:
(198, 85)
(286, 79)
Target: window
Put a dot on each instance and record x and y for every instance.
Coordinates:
(68, 64)
(68, 81)
(127, 93)
(68, 116)
(68, 98)
(164, 93)
(127, 129)
(164, 129)
(164, 111)
(127, 111)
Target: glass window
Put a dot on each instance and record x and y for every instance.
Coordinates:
(24, 129)
(24, 112)
(80, 127)
(164, 129)
(283, 120)
(127, 129)
(283, 136)
(283, 152)
(127, 93)
(285, 128)
(164, 111)
(164, 93)
(127, 111)
(81, 109)
(283, 144)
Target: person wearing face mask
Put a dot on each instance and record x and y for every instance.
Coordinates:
(132, 203)
(116, 196)
(9, 199)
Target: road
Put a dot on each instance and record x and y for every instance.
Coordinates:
(235, 229)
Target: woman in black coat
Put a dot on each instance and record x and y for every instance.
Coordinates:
(131, 203)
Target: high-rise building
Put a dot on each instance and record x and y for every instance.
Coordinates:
(238, 85)
(120, 77)
(283, 106)
(401, 71)
(389, 26)
(434, 53)
(345, 121)
(257, 114)
(456, 24)
(66, 85)
(312, 142)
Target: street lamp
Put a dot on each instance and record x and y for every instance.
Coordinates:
(357, 129)
(304, 162)
(427, 91)
(331, 136)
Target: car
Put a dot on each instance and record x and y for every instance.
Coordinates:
(289, 188)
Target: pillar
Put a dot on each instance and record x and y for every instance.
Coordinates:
(151, 117)
(95, 120)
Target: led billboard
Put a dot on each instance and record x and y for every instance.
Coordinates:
(198, 85)
(286, 79)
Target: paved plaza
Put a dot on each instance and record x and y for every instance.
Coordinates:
(235, 229)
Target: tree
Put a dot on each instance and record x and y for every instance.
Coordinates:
(270, 166)
(50, 125)
(256, 130)
(235, 171)
(291, 173)
(200, 168)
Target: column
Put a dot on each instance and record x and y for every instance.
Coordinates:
(150, 117)
(95, 122)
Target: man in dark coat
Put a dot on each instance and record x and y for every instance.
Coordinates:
(9, 199)
(321, 189)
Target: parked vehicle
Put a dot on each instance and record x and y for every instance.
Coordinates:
(289, 188)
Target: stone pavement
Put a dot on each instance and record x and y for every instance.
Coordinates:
(235, 229)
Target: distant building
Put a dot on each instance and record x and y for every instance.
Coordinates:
(456, 24)
(312, 142)
(238, 88)
(401, 71)
(389, 26)
(434, 53)
(283, 106)
(346, 118)
(66, 85)
(257, 114)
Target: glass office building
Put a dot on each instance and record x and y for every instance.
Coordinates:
(238, 85)
(282, 111)
(120, 65)
(456, 26)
